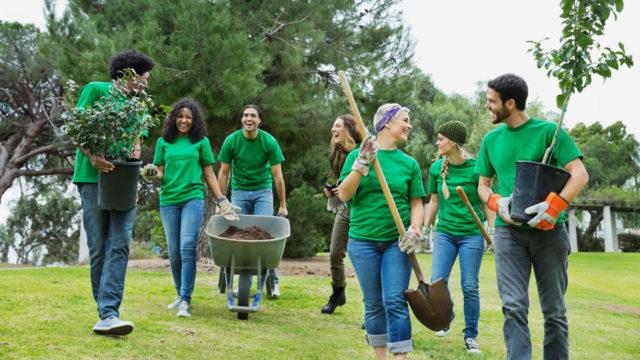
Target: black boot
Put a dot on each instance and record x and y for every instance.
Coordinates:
(336, 299)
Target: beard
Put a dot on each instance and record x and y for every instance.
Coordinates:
(500, 116)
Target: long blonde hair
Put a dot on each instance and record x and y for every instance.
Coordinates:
(444, 172)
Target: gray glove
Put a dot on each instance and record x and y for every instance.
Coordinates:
(227, 209)
(149, 172)
(504, 212)
(366, 156)
(410, 242)
(334, 204)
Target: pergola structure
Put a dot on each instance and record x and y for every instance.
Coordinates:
(609, 210)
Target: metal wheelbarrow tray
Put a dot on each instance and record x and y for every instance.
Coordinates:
(247, 257)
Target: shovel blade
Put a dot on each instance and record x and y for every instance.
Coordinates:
(431, 304)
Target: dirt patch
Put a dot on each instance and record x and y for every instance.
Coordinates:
(250, 233)
(315, 266)
(623, 309)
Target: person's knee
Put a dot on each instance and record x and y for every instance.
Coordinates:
(469, 288)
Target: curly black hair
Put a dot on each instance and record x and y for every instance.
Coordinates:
(131, 59)
(198, 126)
(510, 86)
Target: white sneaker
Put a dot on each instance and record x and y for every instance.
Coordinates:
(442, 333)
(275, 293)
(113, 326)
(183, 309)
(174, 305)
(472, 346)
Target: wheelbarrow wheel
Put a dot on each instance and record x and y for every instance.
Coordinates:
(243, 293)
(222, 281)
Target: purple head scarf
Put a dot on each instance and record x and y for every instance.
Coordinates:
(387, 117)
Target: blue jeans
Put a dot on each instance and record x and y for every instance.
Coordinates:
(108, 238)
(446, 248)
(516, 251)
(383, 272)
(181, 224)
(255, 202)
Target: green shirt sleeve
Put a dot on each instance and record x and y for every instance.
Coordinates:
(226, 152)
(275, 153)
(206, 155)
(432, 185)
(416, 187)
(87, 97)
(566, 150)
(158, 155)
(483, 165)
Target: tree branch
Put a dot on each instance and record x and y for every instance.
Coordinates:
(48, 149)
(53, 171)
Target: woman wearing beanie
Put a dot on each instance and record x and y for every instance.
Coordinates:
(344, 138)
(456, 232)
(382, 268)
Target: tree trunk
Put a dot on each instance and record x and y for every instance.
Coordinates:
(588, 240)
(203, 250)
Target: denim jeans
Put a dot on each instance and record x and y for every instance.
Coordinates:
(255, 202)
(338, 247)
(383, 272)
(181, 224)
(446, 248)
(516, 252)
(108, 238)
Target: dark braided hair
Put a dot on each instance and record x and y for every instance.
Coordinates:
(338, 151)
(198, 126)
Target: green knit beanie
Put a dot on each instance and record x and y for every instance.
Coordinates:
(454, 130)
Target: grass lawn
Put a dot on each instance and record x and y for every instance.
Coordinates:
(48, 313)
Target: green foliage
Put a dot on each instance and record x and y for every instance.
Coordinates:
(148, 230)
(580, 55)
(629, 242)
(311, 228)
(44, 220)
(112, 125)
(611, 155)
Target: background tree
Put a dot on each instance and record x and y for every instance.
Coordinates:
(30, 108)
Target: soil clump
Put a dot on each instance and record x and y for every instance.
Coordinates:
(250, 233)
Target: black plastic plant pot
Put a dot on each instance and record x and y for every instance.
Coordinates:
(534, 181)
(118, 189)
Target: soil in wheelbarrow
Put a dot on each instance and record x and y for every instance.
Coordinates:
(250, 233)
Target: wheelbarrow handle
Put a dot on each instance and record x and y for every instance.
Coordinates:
(376, 166)
(476, 219)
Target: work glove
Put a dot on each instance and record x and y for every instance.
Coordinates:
(366, 156)
(547, 212)
(425, 237)
(410, 242)
(334, 204)
(500, 205)
(149, 172)
(491, 230)
(227, 209)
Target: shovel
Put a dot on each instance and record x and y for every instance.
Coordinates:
(431, 304)
(476, 219)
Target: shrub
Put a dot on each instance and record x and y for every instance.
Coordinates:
(310, 222)
(629, 242)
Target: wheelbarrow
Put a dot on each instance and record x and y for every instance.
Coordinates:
(246, 257)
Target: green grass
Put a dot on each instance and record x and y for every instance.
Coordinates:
(48, 313)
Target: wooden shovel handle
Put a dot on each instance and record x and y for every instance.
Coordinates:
(376, 166)
(476, 219)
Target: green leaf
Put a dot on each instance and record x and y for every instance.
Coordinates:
(560, 100)
(619, 5)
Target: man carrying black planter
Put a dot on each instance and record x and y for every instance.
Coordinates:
(541, 243)
(108, 231)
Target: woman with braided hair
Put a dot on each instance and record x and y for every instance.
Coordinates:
(456, 232)
(344, 138)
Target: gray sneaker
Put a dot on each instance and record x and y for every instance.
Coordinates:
(276, 291)
(442, 333)
(472, 346)
(174, 305)
(183, 309)
(113, 326)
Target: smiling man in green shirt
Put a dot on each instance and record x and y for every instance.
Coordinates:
(543, 242)
(254, 158)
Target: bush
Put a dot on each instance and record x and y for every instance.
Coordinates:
(148, 229)
(629, 242)
(141, 250)
(310, 222)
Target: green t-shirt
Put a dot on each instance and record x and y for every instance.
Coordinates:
(83, 171)
(453, 216)
(503, 146)
(371, 218)
(250, 160)
(183, 162)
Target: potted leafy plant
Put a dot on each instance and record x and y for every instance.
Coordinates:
(111, 128)
(574, 63)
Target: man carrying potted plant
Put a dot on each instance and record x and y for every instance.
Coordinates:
(255, 160)
(109, 231)
(541, 243)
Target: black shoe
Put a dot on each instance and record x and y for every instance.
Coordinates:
(336, 299)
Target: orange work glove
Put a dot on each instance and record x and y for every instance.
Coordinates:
(500, 205)
(546, 212)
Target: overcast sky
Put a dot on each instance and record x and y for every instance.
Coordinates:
(460, 42)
